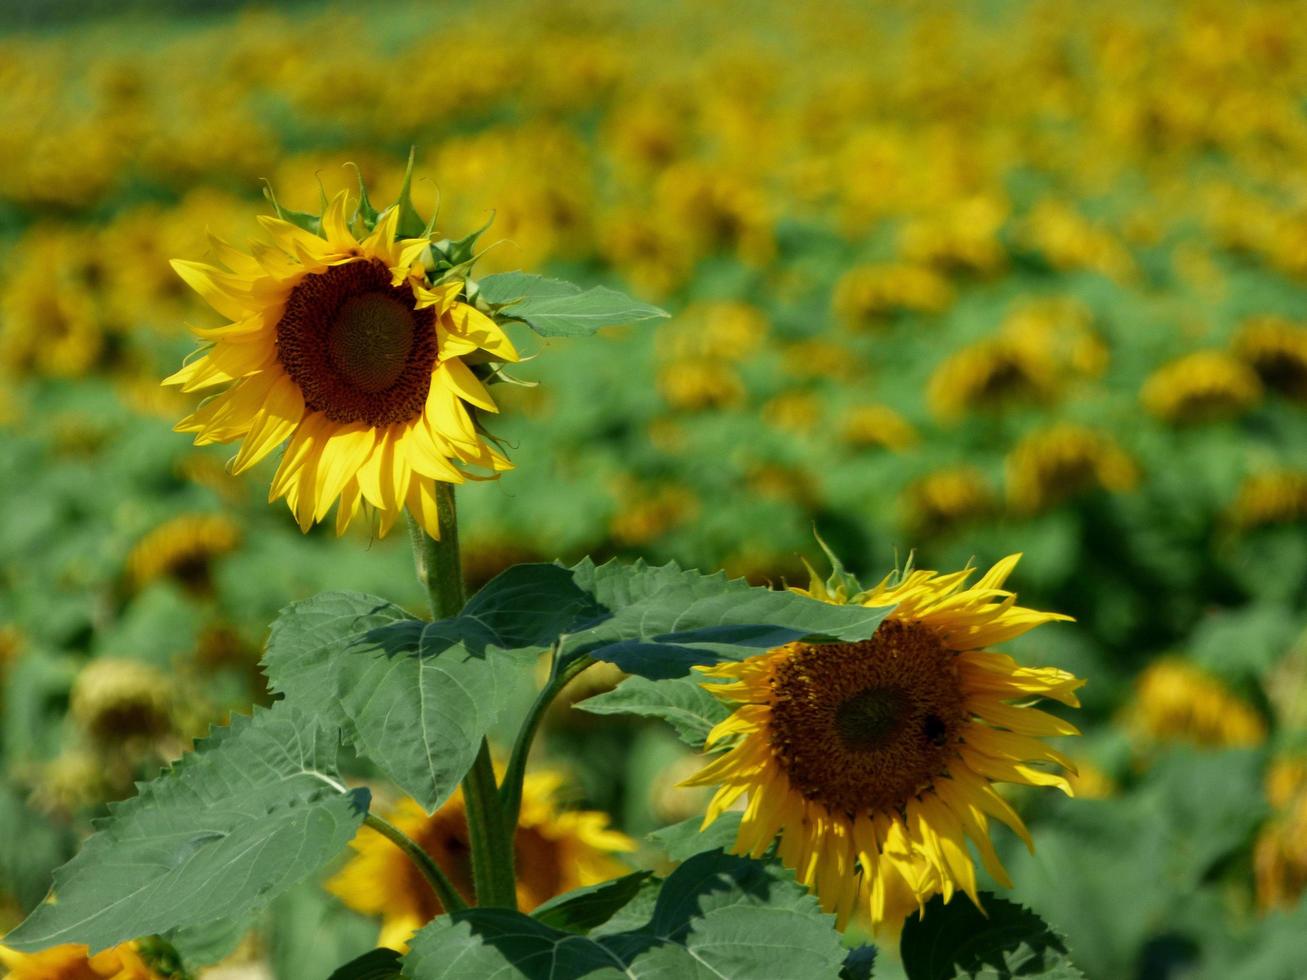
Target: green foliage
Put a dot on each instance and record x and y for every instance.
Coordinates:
(715, 916)
(957, 940)
(257, 807)
(379, 964)
(682, 702)
(663, 620)
(414, 697)
(554, 308)
(683, 840)
(585, 908)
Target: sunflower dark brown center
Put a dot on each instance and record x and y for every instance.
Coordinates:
(864, 726)
(356, 346)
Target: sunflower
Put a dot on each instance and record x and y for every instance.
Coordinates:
(1200, 387)
(345, 347)
(1177, 701)
(556, 850)
(1062, 461)
(1280, 852)
(75, 963)
(946, 499)
(184, 549)
(115, 699)
(1276, 349)
(876, 426)
(1270, 497)
(874, 761)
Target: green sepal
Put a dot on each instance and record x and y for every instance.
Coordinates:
(311, 223)
(411, 224)
(459, 253)
(364, 213)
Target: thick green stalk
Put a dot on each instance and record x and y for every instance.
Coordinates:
(440, 570)
(439, 565)
(490, 837)
(440, 884)
(510, 792)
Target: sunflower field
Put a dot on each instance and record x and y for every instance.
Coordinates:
(563, 489)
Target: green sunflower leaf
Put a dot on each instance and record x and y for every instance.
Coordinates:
(255, 808)
(379, 964)
(414, 697)
(715, 916)
(664, 620)
(956, 940)
(554, 308)
(582, 909)
(681, 841)
(682, 702)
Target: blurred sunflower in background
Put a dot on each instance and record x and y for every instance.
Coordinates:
(75, 963)
(345, 347)
(874, 762)
(556, 850)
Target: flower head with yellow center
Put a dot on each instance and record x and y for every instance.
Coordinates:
(874, 762)
(556, 850)
(349, 345)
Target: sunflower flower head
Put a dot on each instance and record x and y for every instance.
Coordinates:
(1177, 701)
(71, 962)
(1203, 386)
(1276, 349)
(1280, 852)
(1060, 462)
(354, 338)
(1268, 498)
(115, 699)
(556, 850)
(875, 762)
(183, 549)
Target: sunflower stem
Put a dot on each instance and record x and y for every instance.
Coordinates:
(440, 570)
(439, 566)
(490, 837)
(510, 792)
(436, 878)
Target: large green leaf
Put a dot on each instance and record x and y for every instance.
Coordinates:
(414, 697)
(715, 916)
(554, 308)
(682, 702)
(663, 620)
(957, 940)
(257, 807)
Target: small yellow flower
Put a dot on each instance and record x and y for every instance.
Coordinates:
(1062, 461)
(556, 850)
(1175, 701)
(874, 762)
(343, 347)
(1201, 387)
